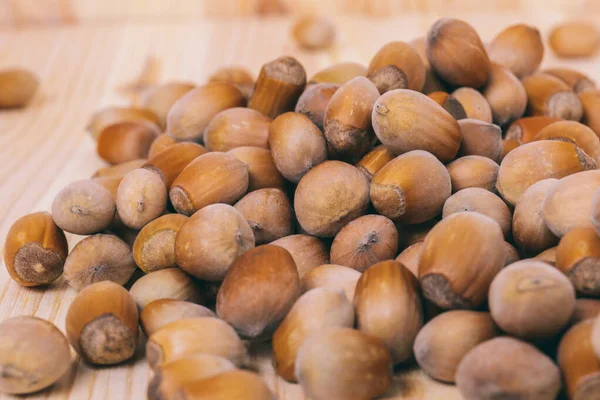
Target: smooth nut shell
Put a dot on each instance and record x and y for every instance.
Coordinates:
(154, 246)
(169, 163)
(576, 80)
(126, 141)
(519, 48)
(119, 170)
(406, 58)
(269, 213)
(331, 276)
(17, 87)
(449, 103)
(228, 385)
(237, 76)
(473, 171)
(169, 283)
(506, 95)
(578, 257)
(480, 138)
(474, 103)
(313, 32)
(307, 251)
(262, 171)
(314, 100)
(575, 39)
(160, 143)
(160, 98)
(574, 132)
(141, 198)
(162, 312)
(339, 73)
(374, 160)
(548, 95)
(524, 130)
(115, 115)
(237, 127)
(410, 257)
(590, 101)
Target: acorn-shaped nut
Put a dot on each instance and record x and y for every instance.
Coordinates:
(162, 312)
(403, 56)
(154, 246)
(141, 198)
(160, 98)
(314, 100)
(578, 257)
(169, 283)
(169, 163)
(519, 48)
(307, 251)
(473, 171)
(262, 171)
(237, 127)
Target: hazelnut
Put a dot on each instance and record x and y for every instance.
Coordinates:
(313, 32)
(116, 115)
(297, 145)
(574, 132)
(399, 192)
(228, 385)
(347, 125)
(388, 307)
(339, 73)
(460, 257)
(473, 171)
(548, 256)
(475, 105)
(405, 120)
(365, 241)
(575, 39)
(33, 355)
(333, 277)
(211, 178)
(102, 324)
(169, 283)
(530, 231)
(17, 87)
(481, 201)
(508, 145)
(505, 367)
(512, 255)
(403, 56)
(126, 141)
(262, 172)
(83, 207)
(432, 82)
(237, 76)
(278, 86)
(595, 211)
(524, 130)
(357, 366)
(480, 138)
(191, 114)
(99, 258)
(388, 78)
(35, 250)
(505, 94)
(519, 48)
(590, 101)
(200, 335)
(576, 80)
(307, 251)
(210, 241)
(409, 234)
(531, 300)
(269, 213)
(548, 95)
(457, 54)
(578, 362)
(258, 291)
(314, 100)
(237, 127)
(141, 198)
(160, 98)
(169, 163)
(532, 162)
(160, 143)
(410, 257)
(585, 309)
(154, 245)
(119, 170)
(162, 312)
(444, 341)
(313, 312)
(374, 160)
(578, 257)
(449, 103)
(329, 196)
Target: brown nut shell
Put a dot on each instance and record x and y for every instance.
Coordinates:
(449, 103)
(162, 312)
(126, 141)
(169, 163)
(119, 170)
(508, 145)
(388, 78)
(141, 198)
(262, 171)
(331, 276)
(460, 257)
(548, 256)
(17, 87)
(403, 56)
(595, 211)
(237, 127)
(590, 101)
(474, 103)
(480, 138)
(524, 130)
(160, 98)
(160, 143)
(115, 115)
(314, 100)
(506, 95)
(410, 257)
(339, 73)
(258, 291)
(576, 80)
(102, 324)
(154, 246)
(237, 76)
(578, 257)
(169, 283)
(518, 48)
(307, 251)
(409, 234)
(585, 309)
(269, 213)
(35, 250)
(374, 160)
(314, 32)
(548, 95)
(473, 171)
(575, 39)
(228, 385)
(574, 132)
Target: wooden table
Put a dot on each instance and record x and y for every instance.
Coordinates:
(44, 147)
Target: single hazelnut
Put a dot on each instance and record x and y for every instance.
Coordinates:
(313, 32)
(35, 250)
(548, 256)
(480, 138)
(508, 145)
(449, 103)
(530, 231)
(524, 130)
(473, 171)
(578, 257)
(444, 341)
(313, 312)
(83, 207)
(460, 257)
(329, 196)
(160, 143)
(574, 39)
(154, 245)
(200, 335)
(333, 277)
(481, 201)
(457, 54)
(374, 160)
(357, 366)
(339, 73)
(505, 367)
(237, 76)
(531, 300)
(412, 188)
(433, 83)
(126, 141)
(262, 171)
(169, 283)
(17, 87)
(388, 77)
(585, 309)
(410, 257)
(98, 258)
(307, 251)
(258, 291)
(574, 132)
(169, 163)
(519, 48)
(403, 56)
(141, 198)
(365, 241)
(211, 178)
(406, 120)
(119, 170)
(228, 385)
(505, 94)
(388, 307)
(576, 80)
(102, 324)
(116, 115)
(162, 312)
(409, 234)
(347, 123)
(532, 162)
(237, 127)
(595, 211)
(278, 86)
(33, 355)
(474, 103)
(297, 145)
(512, 255)
(590, 101)
(548, 95)
(314, 100)
(160, 98)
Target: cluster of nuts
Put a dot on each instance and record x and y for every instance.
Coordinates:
(356, 219)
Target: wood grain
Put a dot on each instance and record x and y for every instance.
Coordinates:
(81, 68)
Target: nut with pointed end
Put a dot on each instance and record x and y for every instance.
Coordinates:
(575, 39)
(339, 73)
(162, 312)
(548, 95)
(519, 48)
(404, 57)
(237, 127)
(307, 251)
(115, 115)
(331, 276)
(578, 362)
(226, 386)
(169, 163)
(524, 130)
(480, 138)
(160, 98)
(154, 245)
(35, 250)
(170, 283)
(443, 342)
(17, 87)
(473, 171)
(141, 198)
(262, 171)
(474, 103)
(126, 141)
(314, 33)
(410, 257)
(449, 103)
(574, 132)
(374, 160)
(578, 257)
(314, 100)
(506, 95)
(576, 80)
(102, 324)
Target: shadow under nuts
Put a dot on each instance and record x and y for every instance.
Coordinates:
(258, 291)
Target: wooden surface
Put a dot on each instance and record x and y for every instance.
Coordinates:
(81, 67)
